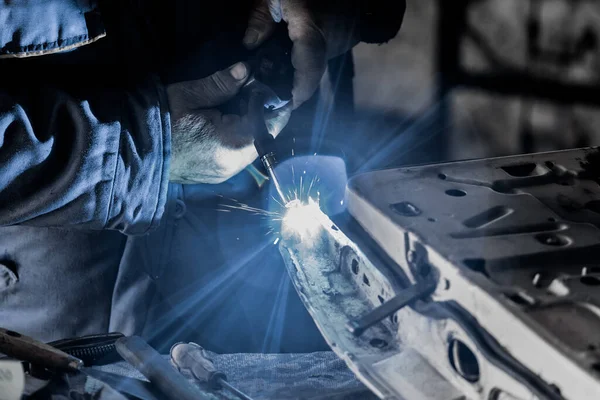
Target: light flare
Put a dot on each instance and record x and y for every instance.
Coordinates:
(302, 219)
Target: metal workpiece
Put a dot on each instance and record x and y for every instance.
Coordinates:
(510, 247)
(513, 244)
(338, 285)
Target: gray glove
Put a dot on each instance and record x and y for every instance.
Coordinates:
(206, 145)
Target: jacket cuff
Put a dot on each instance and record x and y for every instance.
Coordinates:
(165, 122)
(142, 170)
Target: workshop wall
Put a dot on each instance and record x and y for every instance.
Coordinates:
(497, 38)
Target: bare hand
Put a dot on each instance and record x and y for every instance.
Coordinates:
(315, 40)
(207, 146)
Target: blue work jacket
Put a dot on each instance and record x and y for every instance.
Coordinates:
(84, 155)
(93, 238)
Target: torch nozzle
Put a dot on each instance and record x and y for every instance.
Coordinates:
(269, 162)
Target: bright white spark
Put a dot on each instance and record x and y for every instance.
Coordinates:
(276, 241)
(301, 219)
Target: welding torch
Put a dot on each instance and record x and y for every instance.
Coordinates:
(264, 142)
(270, 85)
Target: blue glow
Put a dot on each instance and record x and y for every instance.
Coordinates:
(322, 178)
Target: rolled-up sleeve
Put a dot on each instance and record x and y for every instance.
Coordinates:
(96, 160)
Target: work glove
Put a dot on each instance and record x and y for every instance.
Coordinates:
(208, 146)
(316, 39)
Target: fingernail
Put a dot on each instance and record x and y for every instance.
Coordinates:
(239, 71)
(251, 37)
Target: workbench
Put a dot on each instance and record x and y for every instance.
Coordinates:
(312, 376)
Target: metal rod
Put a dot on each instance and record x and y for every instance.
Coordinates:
(170, 383)
(407, 296)
(235, 390)
(277, 185)
(269, 163)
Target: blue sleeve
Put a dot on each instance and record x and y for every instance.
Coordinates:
(94, 160)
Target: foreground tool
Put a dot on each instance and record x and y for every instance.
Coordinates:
(21, 347)
(192, 361)
(166, 379)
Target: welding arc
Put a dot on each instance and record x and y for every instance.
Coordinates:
(406, 296)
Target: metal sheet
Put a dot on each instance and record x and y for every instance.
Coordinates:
(514, 243)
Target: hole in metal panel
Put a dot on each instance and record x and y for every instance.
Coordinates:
(520, 170)
(552, 239)
(549, 164)
(463, 361)
(335, 228)
(590, 270)
(381, 301)
(355, 268)
(590, 280)
(503, 187)
(593, 206)
(477, 265)
(431, 219)
(487, 217)
(406, 209)
(13, 333)
(366, 280)
(456, 193)
(378, 343)
(442, 176)
(520, 299)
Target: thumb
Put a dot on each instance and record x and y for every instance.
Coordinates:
(260, 25)
(218, 88)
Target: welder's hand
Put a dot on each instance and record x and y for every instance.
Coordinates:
(207, 146)
(316, 39)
